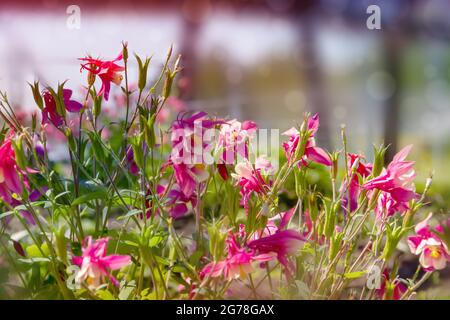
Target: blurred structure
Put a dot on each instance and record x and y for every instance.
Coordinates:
(266, 60)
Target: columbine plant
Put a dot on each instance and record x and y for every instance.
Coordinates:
(149, 201)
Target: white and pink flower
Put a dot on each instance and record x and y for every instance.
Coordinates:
(433, 252)
(397, 179)
(311, 152)
(96, 265)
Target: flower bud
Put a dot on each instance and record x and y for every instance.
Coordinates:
(71, 141)
(312, 206)
(300, 151)
(142, 71)
(138, 154)
(19, 152)
(91, 77)
(36, 94)
(378, 160)
(59, 99)
(330, 219)
(299, 176)
(170, 76)
(61, 244)
(97, 106)
(223, 171)
(33, 122)
(150, 131)
(168, 84)
(335, 162)
(18, 247)
(25, 195)
(125, 51)
(335, 245)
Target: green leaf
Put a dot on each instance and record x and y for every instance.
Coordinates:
(105, 295)
(131, 243)
(155, 241)
(354, 275)
(62, 194)
(130, 214)
(179, 268)
(97, 146)
(161, 261)
(99, 194)
(33, 251)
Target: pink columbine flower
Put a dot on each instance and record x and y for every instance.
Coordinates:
(397, 179)
(49, 112)
(10, 182)
(238, 264)
(309, 231)
(312, 152)
(9, 172)
(433, 252)
(275, 224)
(95, 264)
(250, 179)
(189, 177)
(276, 239)
(234, 137)
(387, 206)
(281, 243)
(263, 164)
(189, 142)
(108, 71)
(176, 202)
(233, 141)
(390, 289)
(189, 149)
(350, 199)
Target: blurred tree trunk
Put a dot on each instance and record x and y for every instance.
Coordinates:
(190, 35)
(315, 87)
(392, 47)
(395, 36)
